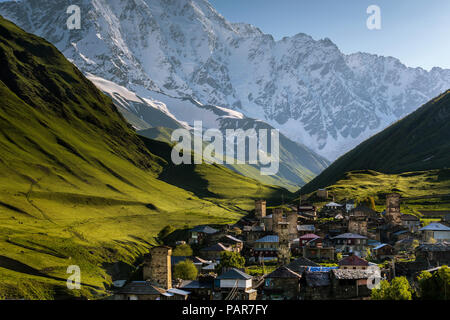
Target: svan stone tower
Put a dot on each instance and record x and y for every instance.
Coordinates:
(157, 267)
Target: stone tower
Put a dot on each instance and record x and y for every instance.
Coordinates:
(260, 209)
(277, 217)
(393, 215)
(157, 267)
(284, 249)
(292, 219)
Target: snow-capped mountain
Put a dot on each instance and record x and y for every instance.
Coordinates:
(307, 88)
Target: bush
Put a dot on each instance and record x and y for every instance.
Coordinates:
(435, 286)
(398, 289)
(185, 270)
(230, 259)
(183, 250)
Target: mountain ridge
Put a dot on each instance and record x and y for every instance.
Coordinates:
(307, 88)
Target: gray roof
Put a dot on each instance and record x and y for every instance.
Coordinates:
(234, 239)
(317, 279)
(351, 274)
(301, 264)
(435, 226)
(306, 227)
(178, 291)
(195, 284)
(283, 272)
(204, 229)
(216, 247)
(439, 246)
(409, 217)
(234, 274)
(270, 238)
(141, 287)
(350, 236)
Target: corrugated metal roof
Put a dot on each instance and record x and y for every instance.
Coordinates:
(270, 238)
(233, 274)
(435, 226)
(350, 236)
(178, 291)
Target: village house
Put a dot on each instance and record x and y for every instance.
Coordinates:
(315, 285)
(411, 222)
(266, 248)
(201, 289)
(315, 250)
(145, 290)
(333, 206)
(383, 251)
(301, 264)
(353, 262)
(350, 283)
(199, 234)
(252, 233)
(234, 284)
(214, 252)
(305, 229)
(434, 254)
(351, 243)
(436, 231)
(282, 284)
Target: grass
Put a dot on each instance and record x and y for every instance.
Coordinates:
(79, 187)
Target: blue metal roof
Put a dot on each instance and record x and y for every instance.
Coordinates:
(270, 238)
(435, 226)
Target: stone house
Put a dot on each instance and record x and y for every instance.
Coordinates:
(145, 290)
(214, 252)
(383, 251)
(199, 234)
(282, 284)
(201, 289)
(435, 254)
(351, 243)
(349, 283)
(315, 286)
(411, 222)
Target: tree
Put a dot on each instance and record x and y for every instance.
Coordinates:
(398, 289)
(229, 259)
(339, 256)
(183, 250)
(165, 232)
(185, 270)
(435, 286)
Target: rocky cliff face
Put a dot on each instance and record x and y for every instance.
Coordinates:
(307, 88)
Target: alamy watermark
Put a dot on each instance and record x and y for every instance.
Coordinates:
(74, 20)
(74, 280)
(374, 20)
(208, 147)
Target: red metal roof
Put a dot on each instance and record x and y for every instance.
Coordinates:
(309, 236)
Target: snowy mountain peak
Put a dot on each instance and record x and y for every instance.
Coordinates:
(307, 88)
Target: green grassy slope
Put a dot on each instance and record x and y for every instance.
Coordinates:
(77, 185)
(419, 142)
(423, 193)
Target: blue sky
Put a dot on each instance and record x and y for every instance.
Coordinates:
(415, 31)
